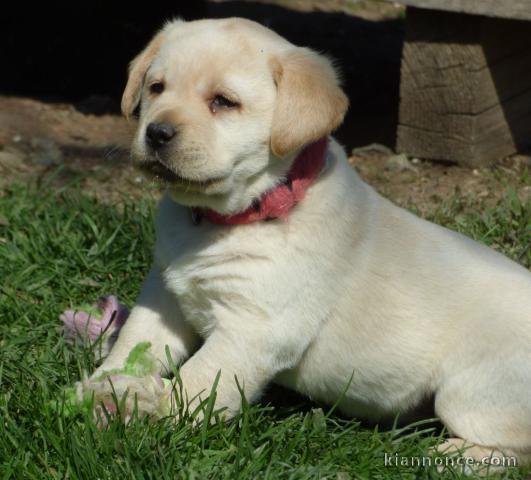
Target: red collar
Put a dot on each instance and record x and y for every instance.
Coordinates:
(277, 203)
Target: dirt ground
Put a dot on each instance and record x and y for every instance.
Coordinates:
(55, 145)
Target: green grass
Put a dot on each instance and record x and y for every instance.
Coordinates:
(62, 249)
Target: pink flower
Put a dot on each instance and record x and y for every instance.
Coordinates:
(90, 322)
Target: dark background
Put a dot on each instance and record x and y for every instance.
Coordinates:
(78, 53)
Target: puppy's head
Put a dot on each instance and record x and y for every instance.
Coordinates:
(224, 107)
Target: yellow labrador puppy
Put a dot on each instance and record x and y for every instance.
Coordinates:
(274, 262)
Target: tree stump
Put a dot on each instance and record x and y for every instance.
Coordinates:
(465, 93)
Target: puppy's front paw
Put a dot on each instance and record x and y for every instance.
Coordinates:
(122, 396)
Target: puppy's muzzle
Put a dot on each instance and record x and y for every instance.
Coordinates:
(159, 134)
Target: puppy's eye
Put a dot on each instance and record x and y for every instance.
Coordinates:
(156, 88)
(220, 102)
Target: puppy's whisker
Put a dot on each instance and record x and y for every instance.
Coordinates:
(109, 152)
(113, 151)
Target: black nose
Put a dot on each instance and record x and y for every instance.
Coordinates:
(159, 134)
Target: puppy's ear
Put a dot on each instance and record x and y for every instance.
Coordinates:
(137, 69)
(310, 103)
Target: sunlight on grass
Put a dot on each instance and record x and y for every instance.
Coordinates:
(58, 250)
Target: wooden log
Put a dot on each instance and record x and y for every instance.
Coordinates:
(465, 93)
(515, 9)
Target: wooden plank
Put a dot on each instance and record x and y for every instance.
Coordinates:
(514, 9)
(465, 96)
(495, 137)
(464, 88)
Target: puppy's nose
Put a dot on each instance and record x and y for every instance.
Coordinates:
(159, 134)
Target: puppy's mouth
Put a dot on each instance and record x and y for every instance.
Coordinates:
(162, 173)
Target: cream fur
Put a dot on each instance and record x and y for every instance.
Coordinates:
(350, 287)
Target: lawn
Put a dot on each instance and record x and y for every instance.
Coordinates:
(59, 248)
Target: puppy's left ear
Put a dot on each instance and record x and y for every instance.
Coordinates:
(310, 102)
(137, 69)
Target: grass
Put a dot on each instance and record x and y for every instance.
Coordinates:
(59, 249)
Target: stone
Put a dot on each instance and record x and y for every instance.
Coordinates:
(399, 163)
(45, 151)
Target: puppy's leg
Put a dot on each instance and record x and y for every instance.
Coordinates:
(156, 319)
(488, 406)
(477, 459)
(245, 356)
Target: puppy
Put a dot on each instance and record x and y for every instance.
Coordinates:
(274, 262)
